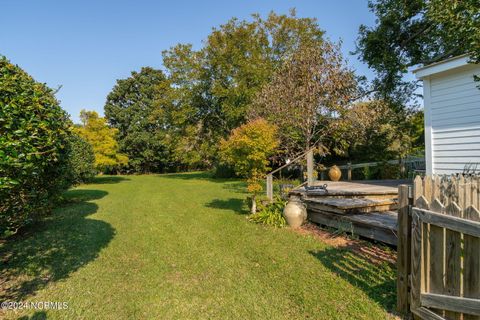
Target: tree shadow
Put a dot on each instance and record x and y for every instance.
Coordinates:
(364, 269)
(231, 184)
(197, 175)
(108, 179)
(39, 315)
(234, 204)
(83, 195)
(53, 248)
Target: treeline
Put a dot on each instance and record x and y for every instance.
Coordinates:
(281, 68)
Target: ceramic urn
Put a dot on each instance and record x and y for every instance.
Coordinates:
(334, 173)
(295, 212)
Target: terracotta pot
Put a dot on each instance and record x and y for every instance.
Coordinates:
(295, 213)
(334, 173)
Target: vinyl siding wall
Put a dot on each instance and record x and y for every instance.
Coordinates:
(454, 117)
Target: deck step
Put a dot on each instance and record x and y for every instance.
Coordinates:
(379, 226)
(351, 205)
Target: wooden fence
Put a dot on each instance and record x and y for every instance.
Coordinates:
(439, 248)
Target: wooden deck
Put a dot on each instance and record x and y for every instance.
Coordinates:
(364, 208)
(374, 225)
(357, 188)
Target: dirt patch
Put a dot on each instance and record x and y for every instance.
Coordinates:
(376, 253)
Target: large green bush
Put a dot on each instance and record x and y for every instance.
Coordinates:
(82, 160)
(34, 149)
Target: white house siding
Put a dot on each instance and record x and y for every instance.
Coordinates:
(454, 116)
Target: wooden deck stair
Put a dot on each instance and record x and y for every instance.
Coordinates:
(365, 208)
(352, 205)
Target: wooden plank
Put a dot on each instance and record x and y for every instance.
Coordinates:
(427, 199)
(425, 314)
(436, 252)
(471, 273)
(372, 226)
(270, 187)
(417, 189)
(453, 223)
(455, 305)
(403, 249)
(417, 285)
(475, 194)
(351, 205)
(310, 164)
(466, 206)
(453, 256)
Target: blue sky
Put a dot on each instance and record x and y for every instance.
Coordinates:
(85, 46)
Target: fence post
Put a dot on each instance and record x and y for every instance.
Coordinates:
(310, 168)
(349, 171)
(403, 248)
(270, 187)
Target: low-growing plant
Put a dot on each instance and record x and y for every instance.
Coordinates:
(270, 214)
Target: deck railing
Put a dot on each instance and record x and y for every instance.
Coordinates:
(310, 177)
(415, 165)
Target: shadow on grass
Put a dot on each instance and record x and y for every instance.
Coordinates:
(200, 175)
(373, 276)
(233, 204)
(39, 315)
(80, 195)
(232, 184)
(53, 248)
(108, 179)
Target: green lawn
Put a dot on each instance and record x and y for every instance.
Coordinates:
(179, 247)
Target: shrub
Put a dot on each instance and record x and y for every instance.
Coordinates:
(270, 214)
(223, 171)
(82, 160)
(34, 133)
(247, 150)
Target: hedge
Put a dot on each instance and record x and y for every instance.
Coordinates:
(34, 148)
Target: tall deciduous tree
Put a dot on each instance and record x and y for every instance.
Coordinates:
(130, 108)
(372, 131)
(101, 137)
(408, 33)
(216, 84)
(307, 96)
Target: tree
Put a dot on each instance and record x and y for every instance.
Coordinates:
(130, 108)
(248, 149)
(81, 160)
(372, 131)
(102, 139)
(307, 96)
(215, 85)
(409, 33)
(34, 153)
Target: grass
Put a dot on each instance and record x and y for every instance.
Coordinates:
(179, 247)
